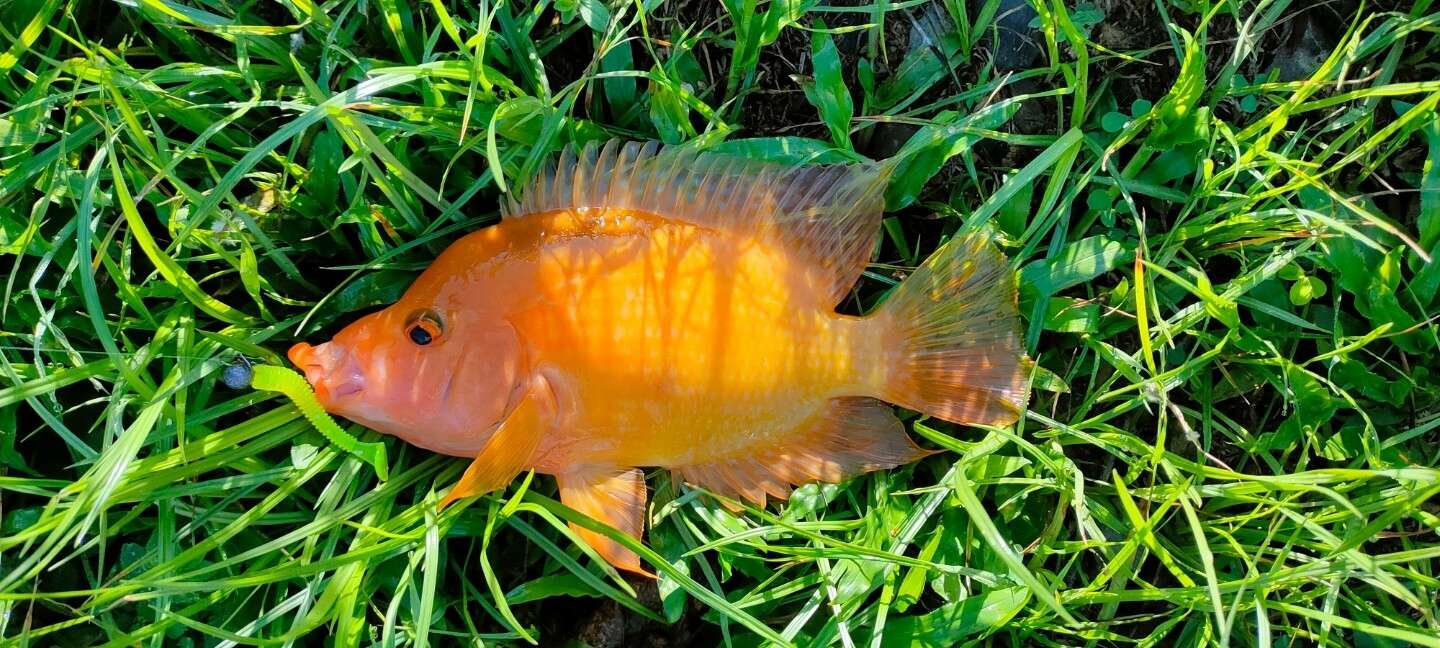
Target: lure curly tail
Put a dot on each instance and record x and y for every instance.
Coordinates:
(293, 385)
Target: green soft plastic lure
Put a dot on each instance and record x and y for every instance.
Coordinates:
(294, 386)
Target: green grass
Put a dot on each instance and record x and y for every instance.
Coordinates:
(1226, 284)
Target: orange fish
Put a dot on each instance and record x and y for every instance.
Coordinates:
(647, 306)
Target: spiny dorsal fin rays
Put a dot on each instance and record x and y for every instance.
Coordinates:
(827, 215)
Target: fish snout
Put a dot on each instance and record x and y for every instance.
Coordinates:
(329, 369)
(301, 354)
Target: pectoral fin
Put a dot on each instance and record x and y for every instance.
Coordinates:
(510, 449)
(615, 497)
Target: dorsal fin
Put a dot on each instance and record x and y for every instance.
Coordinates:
(827, 215)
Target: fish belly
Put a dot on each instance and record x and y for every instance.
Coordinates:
(676, 344)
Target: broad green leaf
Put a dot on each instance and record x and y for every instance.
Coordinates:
(1069, 315)
(786, 150)
(1179, 117)
(981, 613)
(668, 111)
(919, 70)
(326, 155)
(619, 90)
(827, 92)
(1076, 263)
(1429, 220)
(1426, 285)
(550, 586)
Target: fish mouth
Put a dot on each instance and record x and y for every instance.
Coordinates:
(345, 389)
(328, 369)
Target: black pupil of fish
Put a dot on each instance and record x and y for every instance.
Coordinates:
(419, 335)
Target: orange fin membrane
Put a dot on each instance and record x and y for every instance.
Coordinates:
(847, 437)
(615, 497)
(508, 452)
(960, 358)
(827, 215)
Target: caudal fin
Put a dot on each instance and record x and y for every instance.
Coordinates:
(957, 329)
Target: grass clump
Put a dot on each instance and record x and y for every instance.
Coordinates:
(1224, 216)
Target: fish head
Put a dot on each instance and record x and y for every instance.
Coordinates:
(438, 375)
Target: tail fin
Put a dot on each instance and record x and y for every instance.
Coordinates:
(957, 327)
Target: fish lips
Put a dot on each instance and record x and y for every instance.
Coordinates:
(331, 371)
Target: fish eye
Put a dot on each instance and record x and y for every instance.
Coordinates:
(423, 327)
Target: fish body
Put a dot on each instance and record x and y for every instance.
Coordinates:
(688, 345)
(658, 307)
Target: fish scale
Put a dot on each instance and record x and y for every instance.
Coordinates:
(722, 345)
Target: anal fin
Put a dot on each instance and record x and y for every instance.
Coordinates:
(846, 437)
(615, 497)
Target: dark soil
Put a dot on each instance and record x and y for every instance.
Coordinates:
(605, 624)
